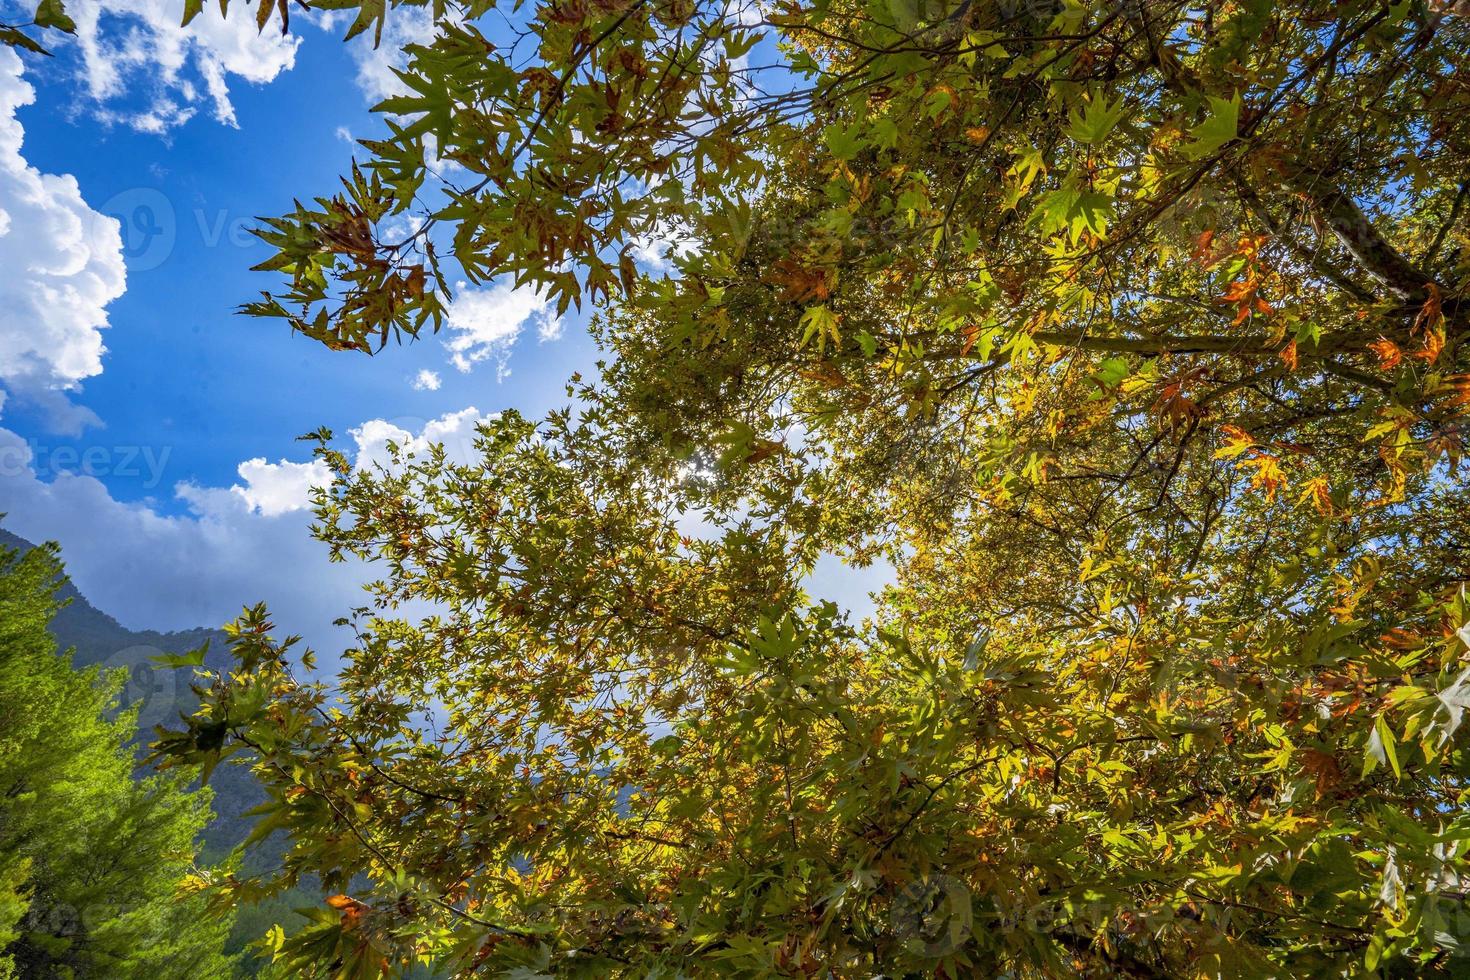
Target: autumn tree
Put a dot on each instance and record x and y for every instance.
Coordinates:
(1130, 334)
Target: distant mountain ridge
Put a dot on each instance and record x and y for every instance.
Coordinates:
(96, 636)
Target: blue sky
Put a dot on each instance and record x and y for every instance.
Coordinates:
(181, 369)
(143, 424)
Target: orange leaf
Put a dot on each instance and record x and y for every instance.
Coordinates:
(1202, 243)
(1250, 245)
(1237, 441)
(1319, 492)
(801, 283)
(1431, 314)
(1388, 353)
(1288, 355)
(1433, 345)
(1267, 476)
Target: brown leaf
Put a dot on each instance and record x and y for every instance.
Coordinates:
(800, 283)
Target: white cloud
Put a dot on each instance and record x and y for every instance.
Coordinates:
(747, 13)
(484, 323)
(426, 380)
(164, 571)
(276, 488)
(63, 265)
(232, 546)
(137, 46)
(455, 431)
(656, 251)
(375, 65)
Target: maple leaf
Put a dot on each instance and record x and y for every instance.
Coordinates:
(1388, 353)
(1288, 356)
(1431, 314)
(1323, 768)
(1319, 493)
(1237, 441)
(1266, 474)
(1219, 128)
(1202, 248)
(1093, 124)
(1243, 294)
(800, 283)
(1174, 406)
(1433, 345)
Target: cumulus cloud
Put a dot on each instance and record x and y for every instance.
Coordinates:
(426, 380)
(484, 324)
(63, 265)
(231, 546)
(129, 47)
(455, 431)
(276, 488)
(153, 570)
(747, 13)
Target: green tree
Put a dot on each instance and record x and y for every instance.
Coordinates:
(92, 860)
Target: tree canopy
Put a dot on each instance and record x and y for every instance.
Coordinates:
(1130, 334)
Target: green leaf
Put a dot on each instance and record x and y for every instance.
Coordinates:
(193, 658)
(1111, 372)
(821, 323)
(51, 13)
(1381, 748)
(1074, 210)
(1093, 124)
(842, 141)
(17, 39)
(1220, 127)
(884, 134)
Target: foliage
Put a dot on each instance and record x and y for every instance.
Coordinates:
(1131, 335)
(90, 859)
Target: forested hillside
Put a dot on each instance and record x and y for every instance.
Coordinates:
(158, 695)
(153, 695)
